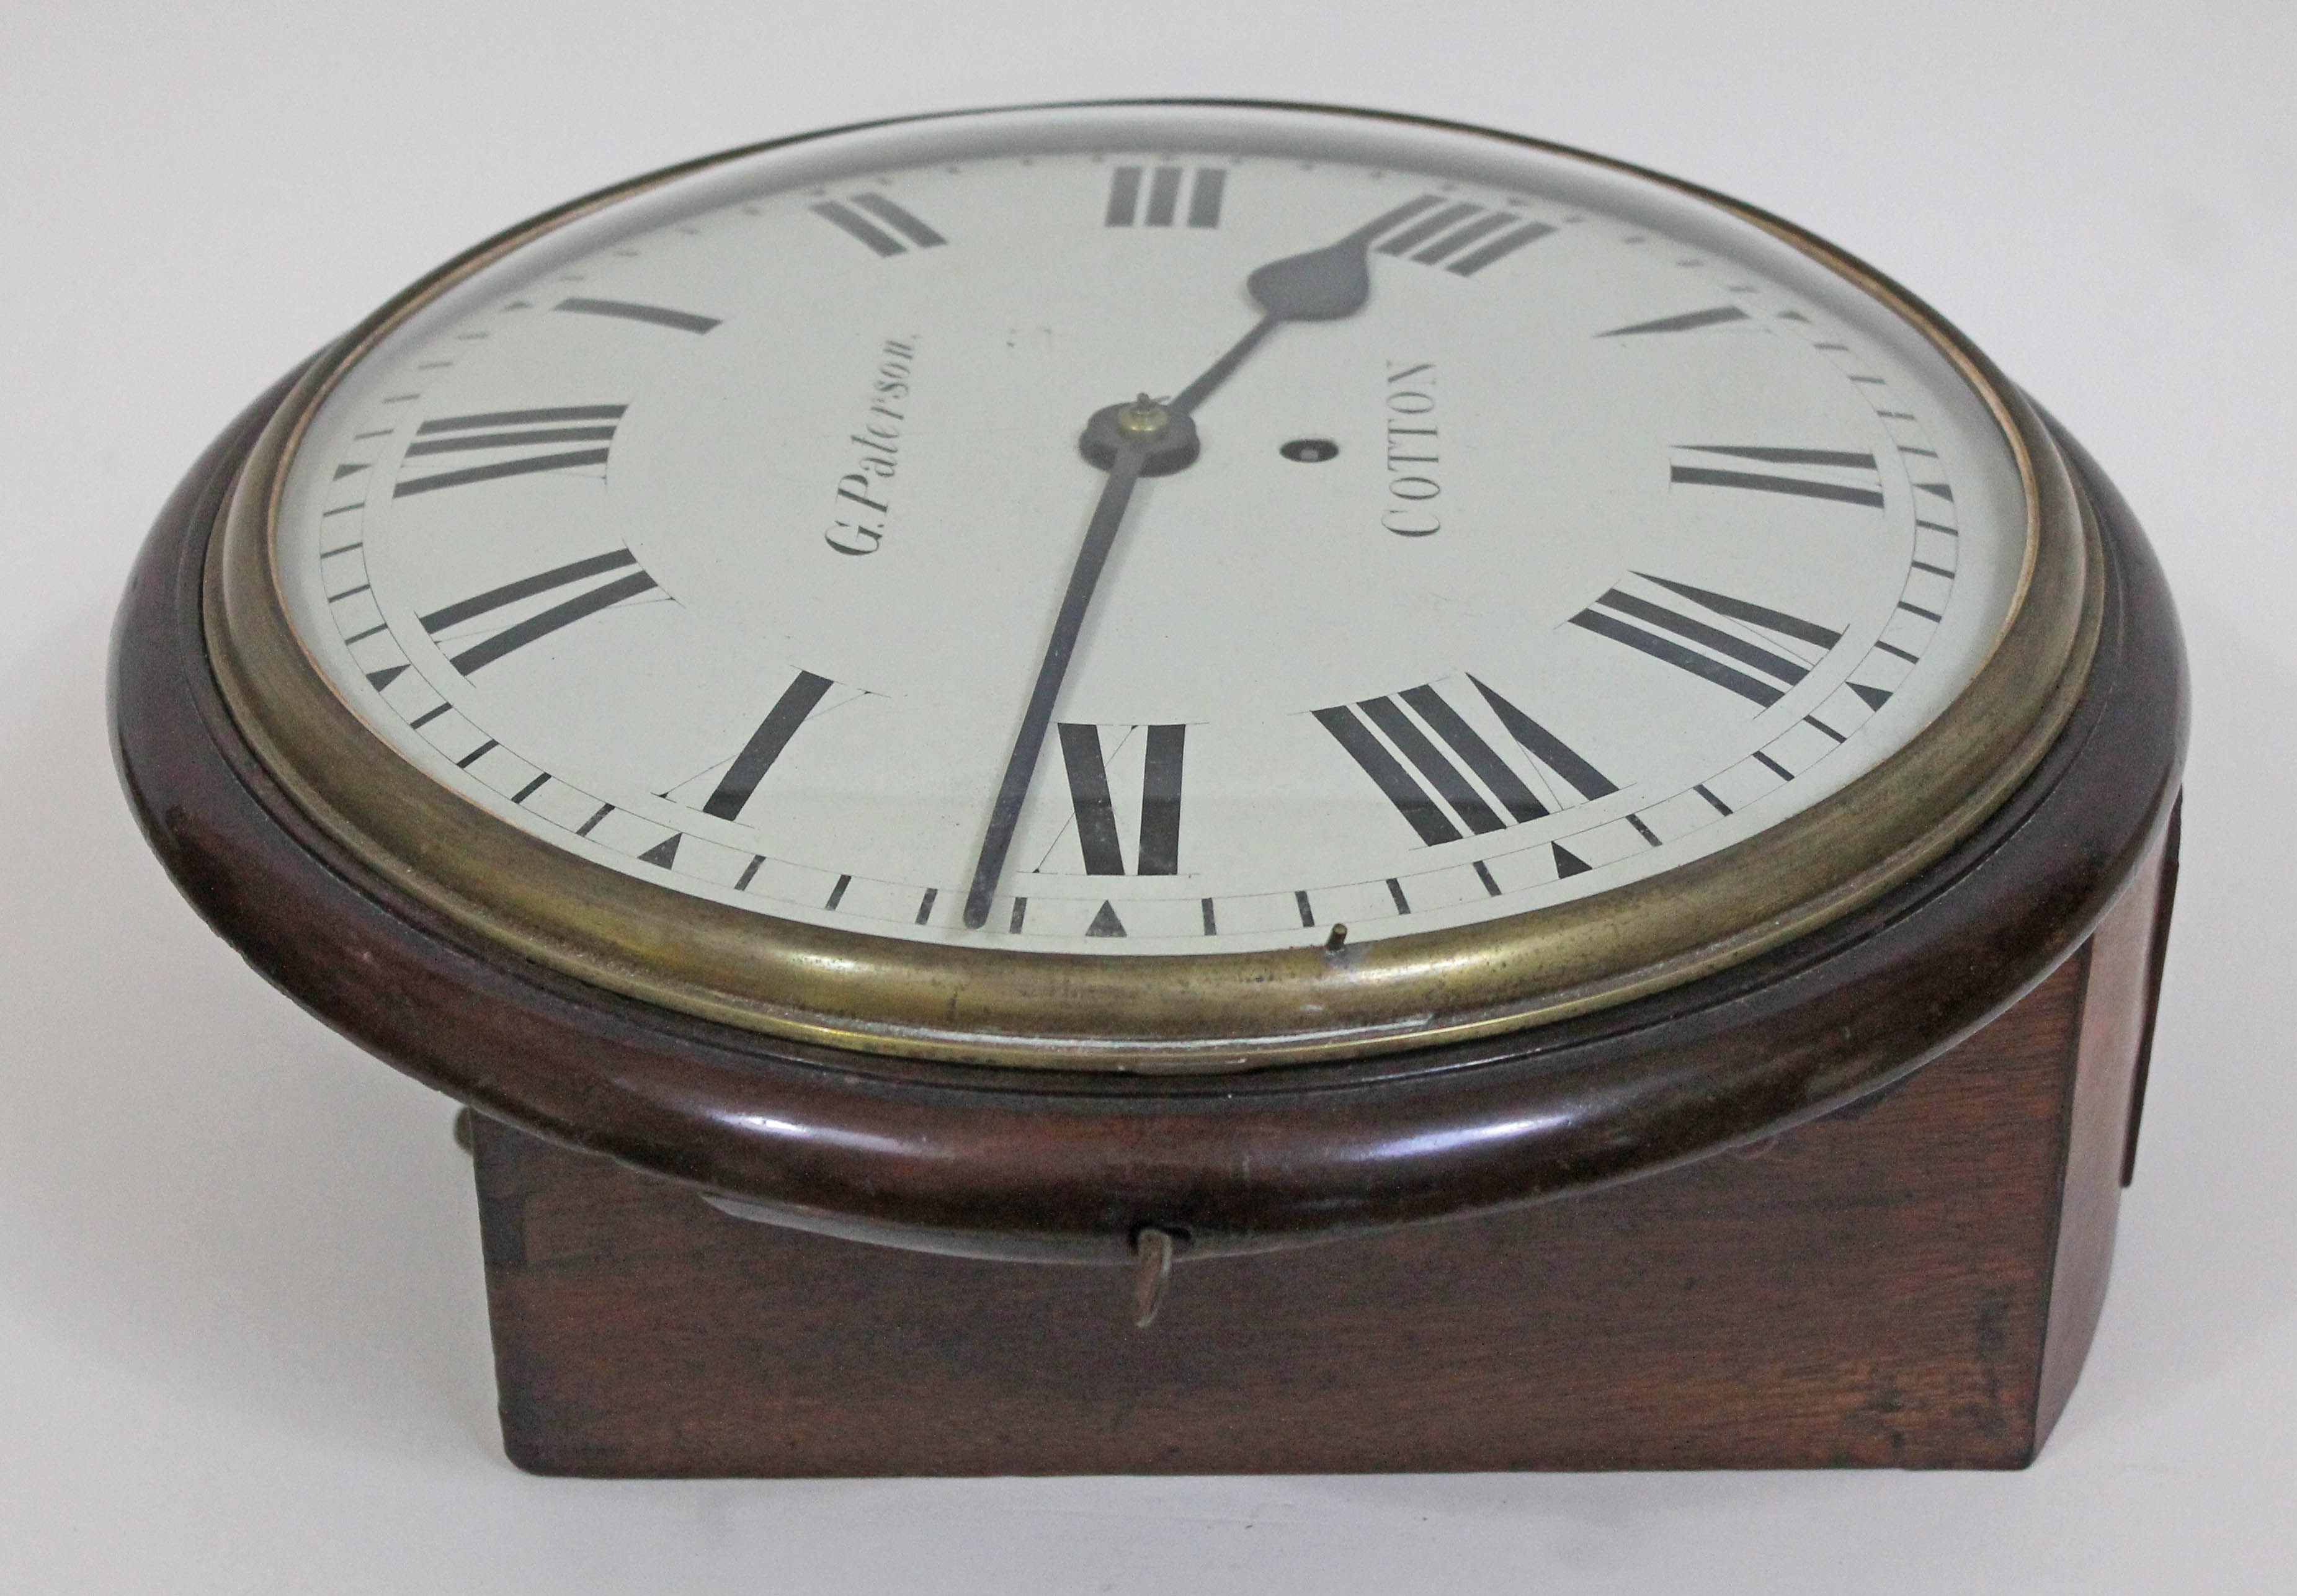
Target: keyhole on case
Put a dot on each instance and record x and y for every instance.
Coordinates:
(1309, 451)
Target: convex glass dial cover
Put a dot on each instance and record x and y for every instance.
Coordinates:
(1156, 586)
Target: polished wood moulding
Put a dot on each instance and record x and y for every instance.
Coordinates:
(1849, 1202)
(1911, 1282)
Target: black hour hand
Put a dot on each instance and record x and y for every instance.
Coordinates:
(1321, 285)
(1328, 284)
(1324, 284)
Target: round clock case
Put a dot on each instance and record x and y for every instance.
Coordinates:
(923, 1090)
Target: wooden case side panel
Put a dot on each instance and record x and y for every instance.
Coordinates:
(1867, 1289)
(2166, 899)
(2116, 1023)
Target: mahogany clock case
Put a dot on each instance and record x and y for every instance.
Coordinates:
(1911, 1281)
(1910, 1284)
(1034, 1164)
(1238, 986)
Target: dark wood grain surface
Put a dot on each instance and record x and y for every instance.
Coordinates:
(1889, 1286)
(2121, 986)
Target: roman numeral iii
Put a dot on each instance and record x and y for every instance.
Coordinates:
(1435, 791)
(513, 442)
(1158, 850)
(1753, 651)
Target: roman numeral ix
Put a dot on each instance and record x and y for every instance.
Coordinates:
(1435, 796)
(1158, 850)
(1165, 183)
(541, 624)
(1644, 613)
(523, 442)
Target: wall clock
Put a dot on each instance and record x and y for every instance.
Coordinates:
(1540, 803)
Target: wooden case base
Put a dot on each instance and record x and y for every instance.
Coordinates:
(1912, 1281)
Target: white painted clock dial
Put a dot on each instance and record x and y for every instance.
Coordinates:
(716, 537)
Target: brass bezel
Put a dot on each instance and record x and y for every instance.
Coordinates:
(1166, 1013)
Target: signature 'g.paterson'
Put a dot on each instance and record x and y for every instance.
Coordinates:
(863, 507)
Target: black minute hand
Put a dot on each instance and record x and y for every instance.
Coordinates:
(1100, 537)
(1147, 439)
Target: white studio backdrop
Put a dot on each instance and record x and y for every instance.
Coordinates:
(243, 1341)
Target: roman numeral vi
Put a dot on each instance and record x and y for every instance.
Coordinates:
(1158, 850)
